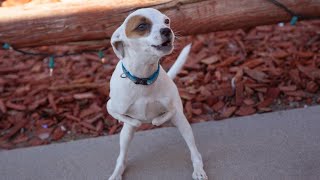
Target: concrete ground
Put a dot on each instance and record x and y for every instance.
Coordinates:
(279, 145)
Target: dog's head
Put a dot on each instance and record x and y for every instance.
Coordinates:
(145, 32)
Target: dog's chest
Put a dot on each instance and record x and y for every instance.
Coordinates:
(146, 109)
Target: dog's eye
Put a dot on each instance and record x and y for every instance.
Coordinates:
(166, 21)
(142, 26)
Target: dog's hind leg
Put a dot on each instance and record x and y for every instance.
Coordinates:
(126, 136)
(180, 121)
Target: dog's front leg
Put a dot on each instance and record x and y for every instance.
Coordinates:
(121, 117)
(163, 117)
(126, 136)
(181, 122)
(126, 119)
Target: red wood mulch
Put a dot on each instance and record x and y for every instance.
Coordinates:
(230, 73)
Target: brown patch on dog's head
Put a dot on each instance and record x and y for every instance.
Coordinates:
(138, 26)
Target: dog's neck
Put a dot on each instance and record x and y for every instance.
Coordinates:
(141, 67)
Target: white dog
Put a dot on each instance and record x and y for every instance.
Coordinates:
(140, 90)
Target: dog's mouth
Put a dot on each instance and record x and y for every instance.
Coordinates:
(165, 46)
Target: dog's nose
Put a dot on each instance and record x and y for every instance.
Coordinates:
(165, 33)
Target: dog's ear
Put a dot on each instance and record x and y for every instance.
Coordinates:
(117, 43)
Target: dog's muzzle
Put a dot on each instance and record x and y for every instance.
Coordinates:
(166, 36)
(166, 33)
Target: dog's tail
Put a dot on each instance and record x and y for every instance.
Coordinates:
(177, 66)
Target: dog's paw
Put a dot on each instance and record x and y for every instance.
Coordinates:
(157, 122)
(199, 174)
(137, 124)
(115, 177)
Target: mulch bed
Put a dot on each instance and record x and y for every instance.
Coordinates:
(230, 73)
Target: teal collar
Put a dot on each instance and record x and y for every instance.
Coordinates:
(142, 81)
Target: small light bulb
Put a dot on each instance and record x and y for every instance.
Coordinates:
(51, 71)
(103, 60)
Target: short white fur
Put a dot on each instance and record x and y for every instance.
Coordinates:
(156, 103)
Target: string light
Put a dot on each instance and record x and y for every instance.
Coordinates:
(51, 64)
(52, 57)
(294, 20)
(294, 15)
(6, 46)
(101, 56)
